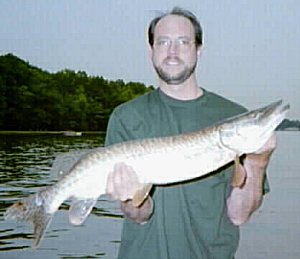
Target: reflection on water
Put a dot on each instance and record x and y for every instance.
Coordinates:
(25, 164)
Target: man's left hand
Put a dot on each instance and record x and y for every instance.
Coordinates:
(262, 156)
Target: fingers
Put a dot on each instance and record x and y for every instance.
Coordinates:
(122, 183)
(261, 157)
(239, 174)
(110, 185)
(269, 146)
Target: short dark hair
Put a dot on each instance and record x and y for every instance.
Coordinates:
(181, 12)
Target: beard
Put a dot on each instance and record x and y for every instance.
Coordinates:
(178, 78)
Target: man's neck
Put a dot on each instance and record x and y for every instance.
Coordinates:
(188, 90)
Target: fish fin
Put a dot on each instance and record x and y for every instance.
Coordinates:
(31, 209)
(63, 162)
(140, 196)
(80, 209)
(239, 174)
(40, 222)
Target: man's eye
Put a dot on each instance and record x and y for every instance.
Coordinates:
(162, 43)
(183, 42)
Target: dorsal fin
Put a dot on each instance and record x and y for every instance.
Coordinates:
(63, 162)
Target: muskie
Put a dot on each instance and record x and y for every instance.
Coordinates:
(156, 161)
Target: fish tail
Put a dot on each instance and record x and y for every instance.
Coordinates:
(31, 209)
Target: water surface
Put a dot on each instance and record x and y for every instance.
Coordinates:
(25, 166)
(25, 163)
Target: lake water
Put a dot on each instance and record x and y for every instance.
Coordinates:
(25, 164)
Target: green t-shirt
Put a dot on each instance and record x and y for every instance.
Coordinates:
(190, 219)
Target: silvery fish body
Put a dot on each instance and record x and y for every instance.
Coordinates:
(157, 161)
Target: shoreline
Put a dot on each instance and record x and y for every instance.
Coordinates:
(28, 132)
(63, 132)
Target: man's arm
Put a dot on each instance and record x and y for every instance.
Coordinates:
(243, 201)
(121, 185)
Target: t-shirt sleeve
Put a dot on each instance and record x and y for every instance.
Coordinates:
(115, 132)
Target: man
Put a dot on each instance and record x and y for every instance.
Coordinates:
(194, 219)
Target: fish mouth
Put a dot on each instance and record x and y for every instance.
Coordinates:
(271, 114)
(276, 111)
(252, 129)
(269, 117)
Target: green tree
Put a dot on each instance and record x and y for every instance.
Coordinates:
(33, 99)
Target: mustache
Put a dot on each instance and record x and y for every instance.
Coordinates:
(168, 59)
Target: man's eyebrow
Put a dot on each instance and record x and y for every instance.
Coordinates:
(179, 37)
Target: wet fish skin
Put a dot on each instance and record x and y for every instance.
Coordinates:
(156, 161)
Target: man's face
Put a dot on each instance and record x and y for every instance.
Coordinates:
(174, 52)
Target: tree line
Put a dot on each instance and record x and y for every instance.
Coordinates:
(34, 99)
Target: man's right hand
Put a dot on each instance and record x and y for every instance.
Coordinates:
(121, 185)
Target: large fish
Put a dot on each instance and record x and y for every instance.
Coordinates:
(156, 161)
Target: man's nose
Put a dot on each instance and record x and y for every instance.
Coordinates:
(173, 47)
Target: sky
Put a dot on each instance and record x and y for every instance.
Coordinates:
(251, 50)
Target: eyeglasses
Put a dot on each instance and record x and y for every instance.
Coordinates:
(181, 43)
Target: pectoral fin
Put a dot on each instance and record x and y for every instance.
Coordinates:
(141, 195)
(239, 174)
(79, 210)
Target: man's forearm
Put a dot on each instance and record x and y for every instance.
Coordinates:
(245, 200)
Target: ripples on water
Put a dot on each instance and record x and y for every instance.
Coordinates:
(25, 164)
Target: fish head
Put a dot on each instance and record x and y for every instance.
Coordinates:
(248, 132)
(241, 140)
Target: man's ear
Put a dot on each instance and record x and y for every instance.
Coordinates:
(199, 50)
(150, 51)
